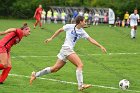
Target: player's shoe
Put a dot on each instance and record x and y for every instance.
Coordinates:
(1, 82)
(34, 27)
(32, 78)
(84, 86)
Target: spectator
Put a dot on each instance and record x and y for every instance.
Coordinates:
(96, 19)
(55, 16)
(63, 16)
(75, 14)
(126, 18)
(105, 18)
(49, 16)
(43, 16)
(80, 13)
(89, 17)
(117, 22)
(86, 17)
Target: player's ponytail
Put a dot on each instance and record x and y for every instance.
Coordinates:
(78, 19)
(24, 26)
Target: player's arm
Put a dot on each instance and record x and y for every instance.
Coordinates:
(91, 40)
(54, 35)
(8, 31)
(35, 13)
(138, 18)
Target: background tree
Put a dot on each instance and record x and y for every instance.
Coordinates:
(26, 8)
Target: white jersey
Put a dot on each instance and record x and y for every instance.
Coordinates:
(134, 19)
(73, 35)
(43, 14)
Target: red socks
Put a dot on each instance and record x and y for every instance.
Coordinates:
(4, 74)
(1, 66)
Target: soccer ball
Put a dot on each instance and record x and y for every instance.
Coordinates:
(124, 84)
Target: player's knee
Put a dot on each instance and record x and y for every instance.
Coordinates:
(5, 65)
(54, 70)
(80, 66)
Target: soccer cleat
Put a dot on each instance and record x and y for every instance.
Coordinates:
(32, 78)
(34, 27)
(1, 82)
(84, 86)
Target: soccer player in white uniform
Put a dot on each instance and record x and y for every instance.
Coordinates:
(73, 33)
(43, 16)
(134, 19)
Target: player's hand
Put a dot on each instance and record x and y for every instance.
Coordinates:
(103, 49)
(1, 33)
(48, 40)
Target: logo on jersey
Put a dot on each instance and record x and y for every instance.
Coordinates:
(76, 35)
(17, 40)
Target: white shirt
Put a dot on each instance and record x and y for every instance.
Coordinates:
(133, 19)
(81, 13)
(43, 14)
(96, 16)
(73, 35)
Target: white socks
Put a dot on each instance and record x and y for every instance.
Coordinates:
(63, 22)
(79, 77)
(133, 33)
(42, 72)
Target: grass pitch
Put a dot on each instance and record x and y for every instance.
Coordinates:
(103, 71)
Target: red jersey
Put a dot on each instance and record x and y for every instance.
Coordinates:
(38, 12)
(10, 39)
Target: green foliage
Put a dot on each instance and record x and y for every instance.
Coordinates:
(26, 8)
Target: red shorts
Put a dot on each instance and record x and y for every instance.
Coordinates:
(37, 18)
(3, 50)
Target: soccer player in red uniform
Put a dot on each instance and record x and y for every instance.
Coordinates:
(37, 16)
(12, 37)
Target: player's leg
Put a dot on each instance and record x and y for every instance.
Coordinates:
(39, 21)
(3, 60)
(132, 31)
(3, 63)
(6, 71)
(36, 23)
(58, 65)
(49, 20)
(55, 20)
(135, 31)
(94, 21)
(73, 58)
(44, 21)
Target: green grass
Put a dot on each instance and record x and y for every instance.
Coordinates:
(103, 69)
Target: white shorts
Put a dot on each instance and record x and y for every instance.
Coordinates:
(55, 17)
(64, 52)
(133, 24)
(43, 17)
(63, 18)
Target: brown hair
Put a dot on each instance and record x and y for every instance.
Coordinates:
(78, 19)
(24, 26)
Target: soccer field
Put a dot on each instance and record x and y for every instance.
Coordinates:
(103, 71)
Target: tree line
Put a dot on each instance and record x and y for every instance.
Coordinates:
(26, 8)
